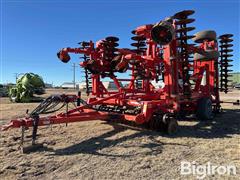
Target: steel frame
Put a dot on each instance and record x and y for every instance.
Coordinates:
(168, 100)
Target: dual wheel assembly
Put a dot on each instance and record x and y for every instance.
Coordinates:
(164, 123)
(168, 124)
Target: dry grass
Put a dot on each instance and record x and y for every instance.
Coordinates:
(100, 150)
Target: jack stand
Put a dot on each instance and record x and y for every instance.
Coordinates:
(23, 128)
(35, 146)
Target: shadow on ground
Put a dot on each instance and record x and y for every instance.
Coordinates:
(223, 125)
(95, 144)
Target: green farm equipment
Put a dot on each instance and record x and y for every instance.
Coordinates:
(26, 86)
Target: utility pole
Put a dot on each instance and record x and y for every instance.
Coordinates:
(74, 74)
(16, 76)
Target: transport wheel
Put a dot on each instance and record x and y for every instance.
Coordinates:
(163, 123)
(208, 55)
(172, 127)
(155, 123)
(163, 32)
(204, 109)
(205, 35)
(170, 124)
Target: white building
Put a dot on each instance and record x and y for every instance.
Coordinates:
(68, 85)
(109, 85)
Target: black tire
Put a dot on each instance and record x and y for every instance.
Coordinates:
(172, 127)
(163, 27)
(208, 55)
(165, 124)
(205, 35)
(170, 124)
(204, 109)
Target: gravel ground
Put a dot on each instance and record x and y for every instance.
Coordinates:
(101, 150)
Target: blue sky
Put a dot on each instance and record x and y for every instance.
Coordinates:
(33, 31)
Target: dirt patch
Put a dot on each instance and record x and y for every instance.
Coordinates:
(100, 150)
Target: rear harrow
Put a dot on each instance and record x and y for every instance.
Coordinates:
(225, 54)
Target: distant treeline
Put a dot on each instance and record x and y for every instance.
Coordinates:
(235, 77)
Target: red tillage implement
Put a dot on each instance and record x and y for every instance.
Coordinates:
(161, 53)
